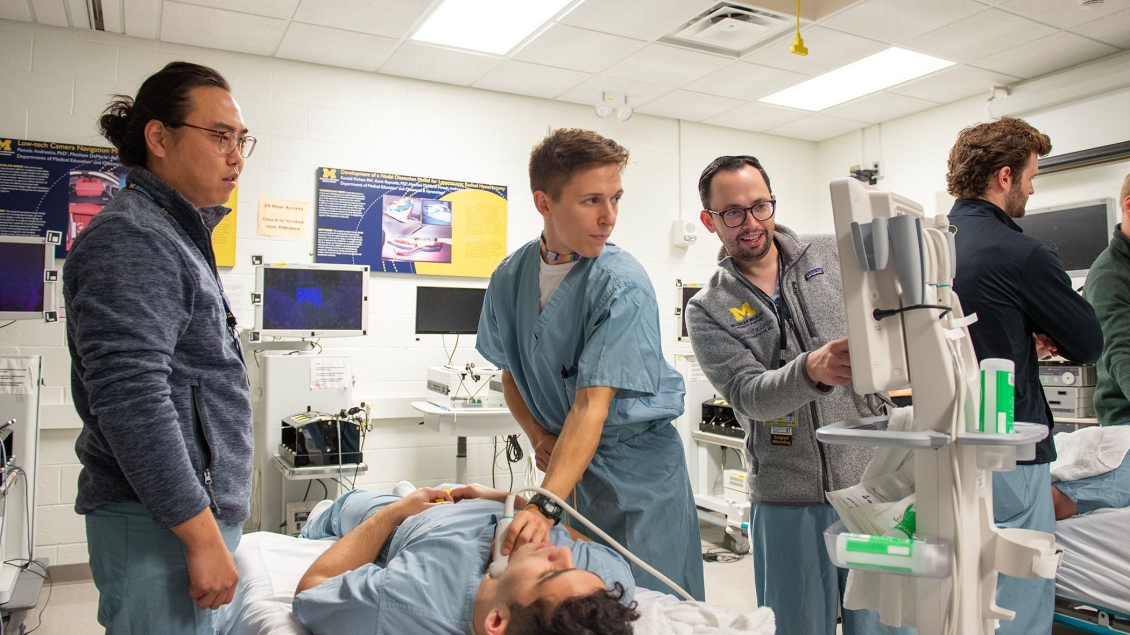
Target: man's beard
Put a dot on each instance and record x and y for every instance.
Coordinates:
(1015, 201)
(741, 251)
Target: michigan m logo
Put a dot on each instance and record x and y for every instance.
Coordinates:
(6, 145)
(743, 313)
(329, 173)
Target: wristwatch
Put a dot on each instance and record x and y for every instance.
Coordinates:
(548, 508)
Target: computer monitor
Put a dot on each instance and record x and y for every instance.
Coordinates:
(687, 290)
(1077, 232)
(311, 301)
(448, 310)
(28, 279)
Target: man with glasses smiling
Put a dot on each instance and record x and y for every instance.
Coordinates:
(769, 332)
(157, 371)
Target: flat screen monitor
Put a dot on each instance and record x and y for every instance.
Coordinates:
(1077, 232)
(311, 301)
(28, 278)
(448, 310)
(686, 292)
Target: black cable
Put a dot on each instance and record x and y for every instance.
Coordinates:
(880, 314)
(46, 575)
(514, 449)
(8, 324)
(306, 496)
(718, 554)
(325, 491)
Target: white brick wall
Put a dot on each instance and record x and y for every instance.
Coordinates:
(57, 81)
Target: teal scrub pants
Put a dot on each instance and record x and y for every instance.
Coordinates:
(795, 577)
(1023, 499)
(141, 572)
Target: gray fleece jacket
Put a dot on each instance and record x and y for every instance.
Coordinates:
(158, 378)
(735, 334)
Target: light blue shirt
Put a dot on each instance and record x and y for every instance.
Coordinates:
(426, 578)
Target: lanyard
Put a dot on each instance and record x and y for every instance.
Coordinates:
(230, 317)
(780, 307)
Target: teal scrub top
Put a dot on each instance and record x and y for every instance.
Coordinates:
(601, 328)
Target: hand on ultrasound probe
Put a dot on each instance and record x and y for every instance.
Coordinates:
(543, 450)
(830, 364)
(528, 526)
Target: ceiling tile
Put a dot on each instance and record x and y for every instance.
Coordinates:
(817, 128)
(390, 18)
(523, 78)
(282, 9)
(141, 18)
(1114, 30)
(878, 107)
(334, 47)
(640, 19)
(689, 106)
(979, 35)
(954, 83)
(216, 28)
(1063, 14)
(667, 65)
(897, 20)
(15, 10)
(437, 64)
(827, 49)
(757, 117)
(589, 92)
(746, 81)
(50, 12)
(577, 49)
(1046, 55)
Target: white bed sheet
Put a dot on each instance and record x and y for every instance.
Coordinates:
(270, 566)
(1096, 559)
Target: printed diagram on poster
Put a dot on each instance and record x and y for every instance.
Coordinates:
(279, 217)
(409, 224)
(47, 186)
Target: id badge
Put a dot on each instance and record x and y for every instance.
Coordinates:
(781, 429)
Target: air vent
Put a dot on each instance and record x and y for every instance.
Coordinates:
(730, 28)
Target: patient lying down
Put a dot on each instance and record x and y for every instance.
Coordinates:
(413, 565)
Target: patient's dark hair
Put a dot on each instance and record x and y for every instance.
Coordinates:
(600, 613)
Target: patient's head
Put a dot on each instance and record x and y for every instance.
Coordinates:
(541, 591)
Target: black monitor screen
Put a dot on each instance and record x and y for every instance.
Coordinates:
(688, 293)
(21, 277)
(1076, 235)
(312, 299)
(448, 310)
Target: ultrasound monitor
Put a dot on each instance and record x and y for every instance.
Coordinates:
(448, 310)
(1077, 232)
(28, 278)
(311, 301)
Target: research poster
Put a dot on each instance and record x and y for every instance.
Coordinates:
(409, 224)
(47, 186)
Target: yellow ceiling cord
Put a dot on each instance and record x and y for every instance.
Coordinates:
(798, 47)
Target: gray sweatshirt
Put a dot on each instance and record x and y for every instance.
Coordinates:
(158, 378)
(735, 334)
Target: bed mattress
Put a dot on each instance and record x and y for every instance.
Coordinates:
(1096, 559)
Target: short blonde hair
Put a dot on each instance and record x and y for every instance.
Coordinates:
(1125, 192)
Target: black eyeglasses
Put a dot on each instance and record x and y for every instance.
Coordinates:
(229, 140)
(735, 216)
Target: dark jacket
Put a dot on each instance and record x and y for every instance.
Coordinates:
(158, 377)
(737, 339)
(1017, 287)
(1108, 290)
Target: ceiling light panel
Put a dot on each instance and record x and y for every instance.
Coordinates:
(870, 74)
(487, 26)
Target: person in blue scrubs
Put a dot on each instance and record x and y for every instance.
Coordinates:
(415, 565)
(573, 323)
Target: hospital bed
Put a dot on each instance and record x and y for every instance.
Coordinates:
(270, 566)
(1092, 585)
